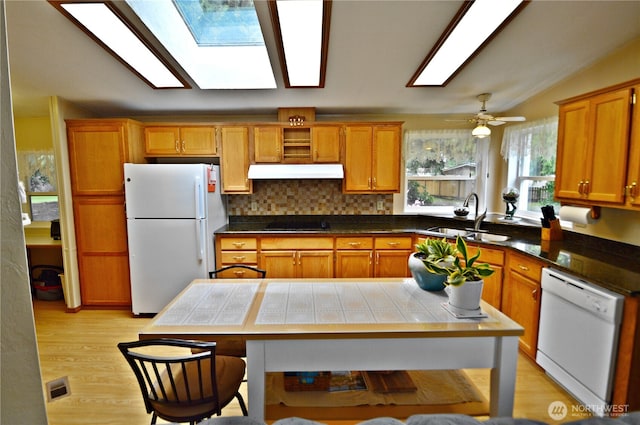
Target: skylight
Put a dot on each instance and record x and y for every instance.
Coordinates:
(216, 57)
(475, 23)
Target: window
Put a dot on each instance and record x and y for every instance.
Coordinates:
(530, 150)
(38, 177)
(442, 168)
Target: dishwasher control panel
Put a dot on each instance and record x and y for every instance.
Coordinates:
(600, 301)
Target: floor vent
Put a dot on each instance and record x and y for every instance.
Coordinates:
(58, 388)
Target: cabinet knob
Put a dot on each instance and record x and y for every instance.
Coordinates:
(177, 146)
(632, 189)
(239, 257)
(534, 294)
(238, 244)
(523, 268)
(354, 244)
(394, 244)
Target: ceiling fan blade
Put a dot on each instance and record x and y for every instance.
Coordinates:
(512, 119)
(495, 122)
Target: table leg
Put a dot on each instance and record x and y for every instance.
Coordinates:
(503, 376)
(256, 379)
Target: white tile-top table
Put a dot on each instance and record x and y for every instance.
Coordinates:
(342, 324)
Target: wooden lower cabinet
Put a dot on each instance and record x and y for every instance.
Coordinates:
(103, 259)
(354, 257)
(521, 298)
(392, 256)
(295, 257)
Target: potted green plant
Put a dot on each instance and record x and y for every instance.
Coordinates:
(464, 276)
(436, 251)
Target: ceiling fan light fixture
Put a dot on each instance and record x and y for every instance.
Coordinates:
(481, 131)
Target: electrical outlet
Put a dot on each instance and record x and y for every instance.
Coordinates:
(254, 206)
(380, 205)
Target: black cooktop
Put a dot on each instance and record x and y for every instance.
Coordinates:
(298, 225)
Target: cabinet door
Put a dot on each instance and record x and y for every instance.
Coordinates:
(573, 150)
(198, 141)
(279, 264)
(353, 263)
(610, 141)
(523, 301)
(162, 140)
(315, 264)
(325, 143)
(357, 161)
(267, 144)
(492, 288)
(103, 260)
(386, 159)
(96, 155)
(392, 263)
(633, 172)
(234, 144)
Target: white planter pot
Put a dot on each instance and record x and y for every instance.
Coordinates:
(466, 296)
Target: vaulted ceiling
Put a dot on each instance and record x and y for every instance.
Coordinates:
(375, 48)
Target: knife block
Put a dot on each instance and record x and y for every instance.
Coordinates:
(553, 232)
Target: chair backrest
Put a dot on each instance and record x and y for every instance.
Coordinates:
(238, 271)
(177, 387)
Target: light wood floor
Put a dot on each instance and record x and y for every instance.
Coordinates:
(82, 346)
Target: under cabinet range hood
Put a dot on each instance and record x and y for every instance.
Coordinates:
(295, 171)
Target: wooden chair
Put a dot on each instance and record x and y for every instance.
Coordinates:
(236, 348)
(240, 270)
(188, 386)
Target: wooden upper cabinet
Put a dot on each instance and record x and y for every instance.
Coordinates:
(593, 148)
(325, 144)
(97, 150)
(267, 144)
(180, 141)
(234, 161)
(633, 173)
(372, 159)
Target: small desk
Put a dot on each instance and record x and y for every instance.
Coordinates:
(342, 324)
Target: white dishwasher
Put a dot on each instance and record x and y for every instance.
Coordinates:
(578, 337)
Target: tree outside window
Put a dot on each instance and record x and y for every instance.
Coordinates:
(441, 169)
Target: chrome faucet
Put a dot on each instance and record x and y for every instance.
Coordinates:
(477, 221)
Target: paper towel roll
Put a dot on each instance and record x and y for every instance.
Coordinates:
(578, 215)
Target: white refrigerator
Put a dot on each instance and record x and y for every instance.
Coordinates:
(171, 216)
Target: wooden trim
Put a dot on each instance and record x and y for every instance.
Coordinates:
(627, 374)
(624, 85)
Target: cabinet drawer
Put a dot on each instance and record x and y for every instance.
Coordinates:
(229, 244)
(296, 243)
(354, 243)
(525, 266)
(239, 257)
(394, 242)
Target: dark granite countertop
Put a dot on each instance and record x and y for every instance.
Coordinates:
(613, 265)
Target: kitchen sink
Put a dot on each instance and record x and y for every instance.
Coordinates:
(470, 234)
(447, 231)
(488, 237)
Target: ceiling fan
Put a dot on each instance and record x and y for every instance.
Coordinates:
(482, 118)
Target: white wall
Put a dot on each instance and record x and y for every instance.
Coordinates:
(21, 392)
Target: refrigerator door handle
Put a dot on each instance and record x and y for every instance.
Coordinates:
(197, 192)
(200, 237)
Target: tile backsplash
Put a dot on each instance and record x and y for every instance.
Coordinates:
(306, 197)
